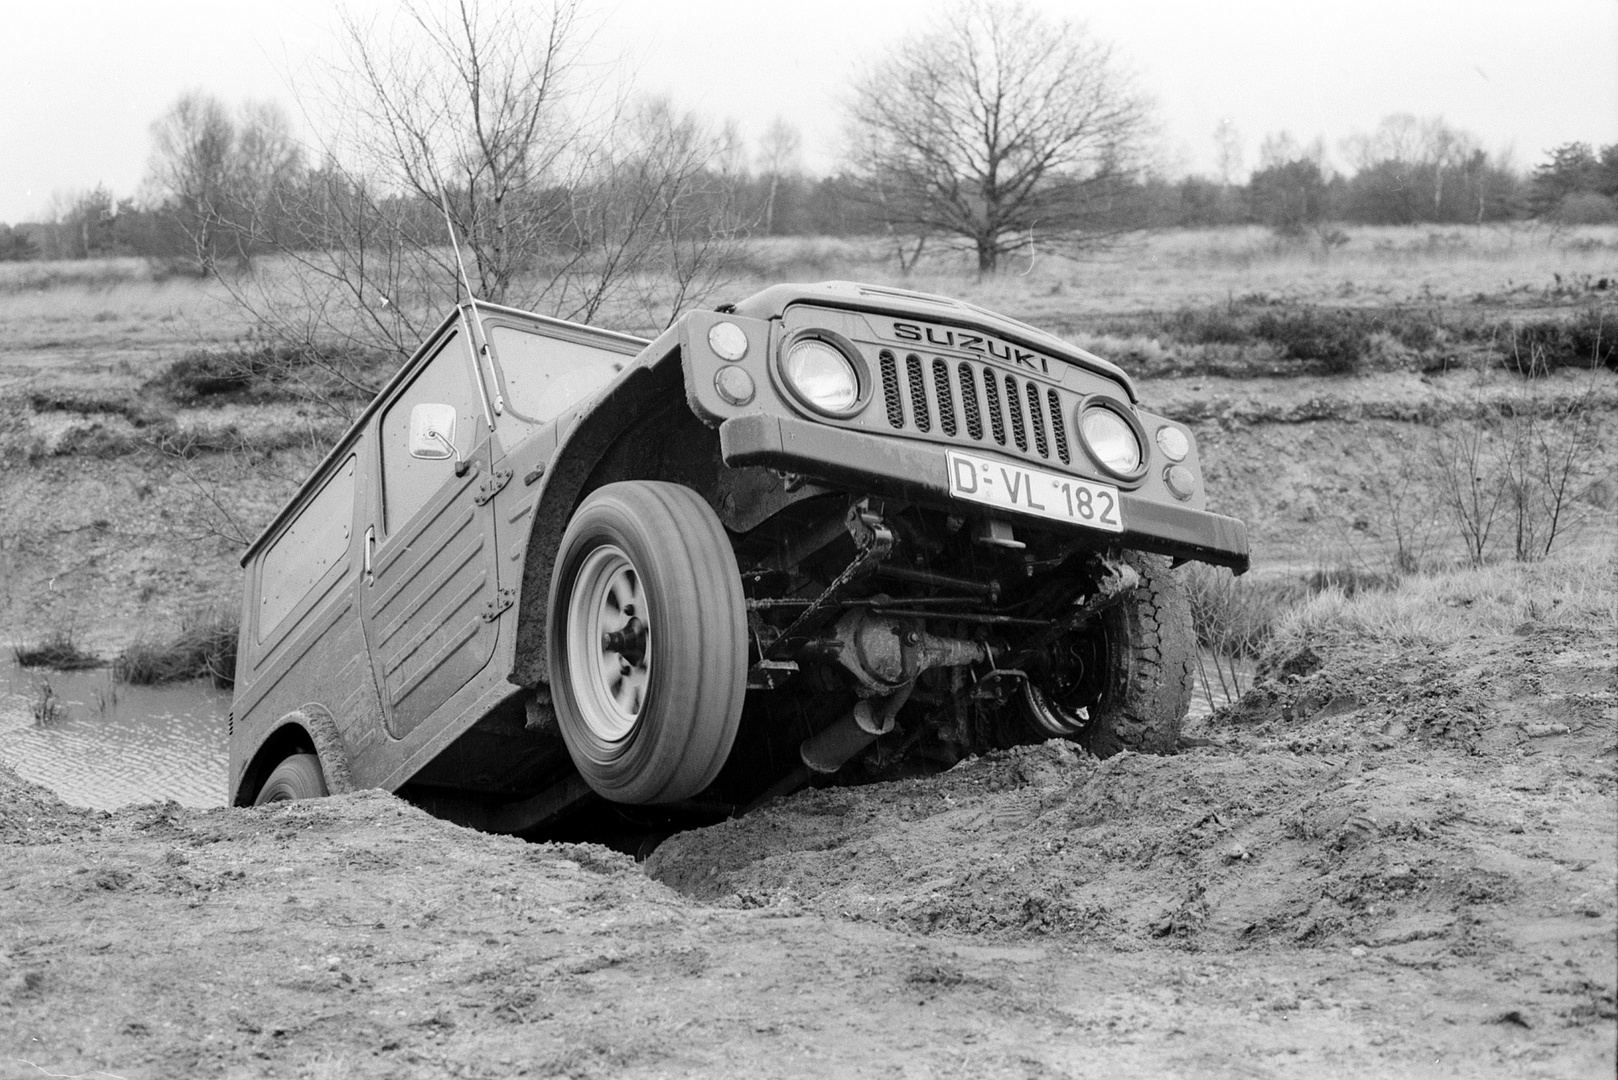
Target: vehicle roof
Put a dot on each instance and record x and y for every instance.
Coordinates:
(771, 302)
(406, 370)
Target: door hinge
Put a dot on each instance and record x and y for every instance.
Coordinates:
(491, 487)
(502, 600)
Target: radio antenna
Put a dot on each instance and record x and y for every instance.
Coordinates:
(476, 323)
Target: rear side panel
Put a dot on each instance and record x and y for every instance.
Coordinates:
(301, 640)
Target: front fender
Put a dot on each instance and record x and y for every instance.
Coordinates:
(592, 433)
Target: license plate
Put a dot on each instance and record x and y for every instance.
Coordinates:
(1034, 491)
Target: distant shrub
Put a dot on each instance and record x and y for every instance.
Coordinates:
(58, 652)
(1327, 340)
(205, 373)
(1590, 339)
(56, 273)
(1256, 335)
(205, 648)
(1586, 208)
(16, 245)
(1349, 580)
(99, 441)
(259, 372)
(1335, 339)
(91, 403)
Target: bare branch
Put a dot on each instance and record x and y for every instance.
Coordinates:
(995, 122)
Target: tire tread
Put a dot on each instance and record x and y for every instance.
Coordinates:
(1151, 687)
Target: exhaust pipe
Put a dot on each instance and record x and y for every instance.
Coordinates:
(834, 747)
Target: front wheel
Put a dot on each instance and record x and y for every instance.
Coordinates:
(297, 777)
(647, 638)
(1149, 649)
(1125, 684)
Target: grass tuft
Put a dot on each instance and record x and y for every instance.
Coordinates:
(59, 652)
(47, 708)
(1235, 617)
(1441, 609)
(205, 648)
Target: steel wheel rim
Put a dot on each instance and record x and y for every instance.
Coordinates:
(1050, 717)
(609, 643)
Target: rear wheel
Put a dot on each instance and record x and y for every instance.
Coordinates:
(647, 638)
(298, 777)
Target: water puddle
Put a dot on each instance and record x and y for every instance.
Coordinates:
(110, 745)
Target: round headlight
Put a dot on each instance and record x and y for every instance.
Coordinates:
(821, 375)
(1111, 441)
(1173, 443)
(727, 340)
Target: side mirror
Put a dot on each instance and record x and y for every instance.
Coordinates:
(432, 433)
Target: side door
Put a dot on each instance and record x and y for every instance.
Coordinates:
(541, 371)
(430, 581)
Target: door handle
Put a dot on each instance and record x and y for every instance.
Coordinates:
(370, 549)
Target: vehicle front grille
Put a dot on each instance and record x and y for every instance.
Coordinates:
(1028, 413)
(920, 415)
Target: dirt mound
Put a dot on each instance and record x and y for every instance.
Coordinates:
(1442, 904)
(1449, 807)
(30, 814)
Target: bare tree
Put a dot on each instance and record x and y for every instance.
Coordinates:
(1418, 149)
(562, 197)
(265, 163)
(1524, 464)
(191, 148)
(1280, 149)
(1227, 151)
(566, 199)
(778, 157)
(996, 123)
(222, 178)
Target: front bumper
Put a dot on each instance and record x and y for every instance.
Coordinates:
(915, 471)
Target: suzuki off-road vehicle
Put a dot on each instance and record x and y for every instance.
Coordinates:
(829, 529)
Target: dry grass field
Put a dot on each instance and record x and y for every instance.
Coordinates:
(1392, 850)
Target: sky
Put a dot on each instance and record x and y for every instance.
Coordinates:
(82, 81)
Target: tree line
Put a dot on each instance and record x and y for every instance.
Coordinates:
(1575, 184)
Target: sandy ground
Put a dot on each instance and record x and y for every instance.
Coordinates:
(1389, 864)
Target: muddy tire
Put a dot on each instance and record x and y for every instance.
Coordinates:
(298, 777)
(1149, 649)
(647, 636)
